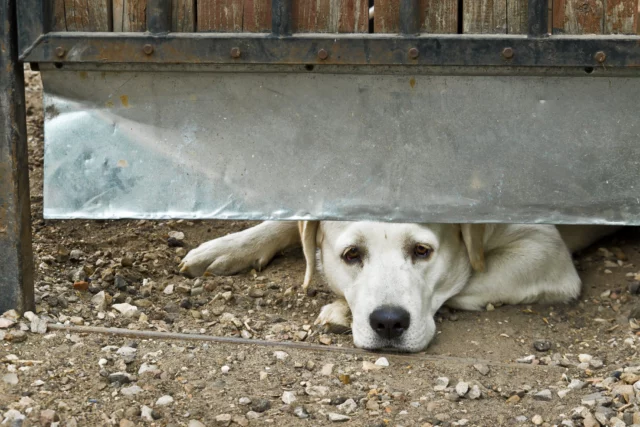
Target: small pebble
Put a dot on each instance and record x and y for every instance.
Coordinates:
(301, 412)
(288, 397)
(164, 400)
(542, 345)
(337, 418)
(382, 362)
(537, 420)
(544, 395)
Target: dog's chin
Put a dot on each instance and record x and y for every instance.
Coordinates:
(409, 344)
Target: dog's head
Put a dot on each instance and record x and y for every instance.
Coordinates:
(393, 276)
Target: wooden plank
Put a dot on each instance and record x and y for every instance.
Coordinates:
(220, 15)
(387, 16)
(621, 16)
(183, 16)
(257, 16)
(129, 15)
(82, 15)
(330, 16)
(437, 16)
(484, 16)
(578, 16)
(517, 16)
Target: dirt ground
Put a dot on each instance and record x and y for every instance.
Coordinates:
(582, 373)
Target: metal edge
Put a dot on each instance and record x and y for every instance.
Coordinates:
(31, 24)
(441, 50)
(16, 255)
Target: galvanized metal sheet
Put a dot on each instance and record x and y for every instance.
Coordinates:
(341, 146)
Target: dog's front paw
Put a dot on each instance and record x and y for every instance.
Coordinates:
(223, 257)
(335, 317)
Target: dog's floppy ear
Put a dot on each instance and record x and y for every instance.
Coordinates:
(473, 237)
(308, 231)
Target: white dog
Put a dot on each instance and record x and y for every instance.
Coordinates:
(392, 278)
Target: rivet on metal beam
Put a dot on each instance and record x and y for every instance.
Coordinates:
(414, 53)
(323, 54)
(60, 52)
(507, 53)
(235, 52)
(600, 56)
(148, 49)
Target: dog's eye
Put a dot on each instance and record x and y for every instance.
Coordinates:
(351, 255)
(422, 251)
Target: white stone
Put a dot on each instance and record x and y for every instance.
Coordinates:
(336, 418)
(327, 370)
(131, 391)
(537, 420)
(585, 358)
(462, 388)
(348, 407)
(126, 309)
(164, 400)
(441, 384)
(280, 355)
(288, 397)
(382, 362)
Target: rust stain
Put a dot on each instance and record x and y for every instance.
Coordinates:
(109, 104)
(123, 164)
(125, 100)
(412, 82)
(83, 75)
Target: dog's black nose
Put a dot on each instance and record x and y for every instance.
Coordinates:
(390, 322)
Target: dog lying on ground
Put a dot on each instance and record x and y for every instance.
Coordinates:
(392, 278)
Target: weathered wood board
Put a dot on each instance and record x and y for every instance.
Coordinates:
(484, 17)
(183, 16)
(437, 16)
(82, 15)
(129, 15)
(330, 16)
(621, 17)
(578, 16)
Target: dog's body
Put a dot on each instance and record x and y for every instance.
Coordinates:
(392, 278)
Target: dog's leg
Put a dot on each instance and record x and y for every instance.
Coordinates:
(335, 314)
(528, 264)
(231, 254)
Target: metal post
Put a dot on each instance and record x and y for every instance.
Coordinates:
(409, 17)
(281, 17)
(538, 18)
(16, 257)
(159, 16)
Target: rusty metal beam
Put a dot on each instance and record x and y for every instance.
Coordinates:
(441, 50)
(16, 258)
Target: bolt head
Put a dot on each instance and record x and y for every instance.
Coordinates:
(323, 54)
(148, 49)
(507, 53)
(414, 53)
(235, 52)
(60, 52)
(600, 56)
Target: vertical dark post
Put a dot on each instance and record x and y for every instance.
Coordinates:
(538, 18)
(16, 257)
(281, 17)
(409, 17)
(158, 16)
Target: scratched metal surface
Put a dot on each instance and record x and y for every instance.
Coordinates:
(439, 148)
